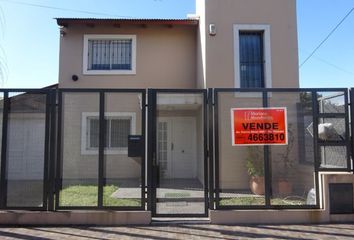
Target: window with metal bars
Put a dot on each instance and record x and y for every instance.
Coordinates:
(110, 54)
(117, 131)
(251, 59)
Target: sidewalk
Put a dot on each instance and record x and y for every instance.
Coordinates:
(184, 231)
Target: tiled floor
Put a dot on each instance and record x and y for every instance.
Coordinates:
(184, 231)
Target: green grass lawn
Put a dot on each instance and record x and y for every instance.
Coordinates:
(255, 200)
(80, 195)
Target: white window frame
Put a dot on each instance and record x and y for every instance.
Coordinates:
(88, 37)
(85, 134)
(266, 48)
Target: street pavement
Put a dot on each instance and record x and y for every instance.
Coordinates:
(183, 231)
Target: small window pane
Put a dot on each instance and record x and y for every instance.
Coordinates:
(120, 129)
(333, 157)
(331, 102)
(99, 51)
(332, 129)
(121, 54)
(94, 133)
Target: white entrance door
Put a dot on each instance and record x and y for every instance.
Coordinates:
(177, 147)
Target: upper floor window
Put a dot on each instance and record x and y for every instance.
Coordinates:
(251, 60)
(252, 56)
(109, 54)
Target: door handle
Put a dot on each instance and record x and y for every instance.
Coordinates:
(172, 146)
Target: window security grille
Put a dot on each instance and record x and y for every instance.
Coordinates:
(251, 59)
(117, 131)
(110, 54)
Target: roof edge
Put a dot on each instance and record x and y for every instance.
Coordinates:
(64, 22)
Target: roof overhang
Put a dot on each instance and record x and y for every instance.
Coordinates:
(65, 22)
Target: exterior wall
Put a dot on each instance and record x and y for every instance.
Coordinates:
(219, 55)
(201, 41)
(166, 58)
(103, 218)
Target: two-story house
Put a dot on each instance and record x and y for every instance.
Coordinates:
(144, 121)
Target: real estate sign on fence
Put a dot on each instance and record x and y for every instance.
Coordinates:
(259, 126)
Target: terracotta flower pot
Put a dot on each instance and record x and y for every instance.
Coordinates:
(285, 188)
(257, 185)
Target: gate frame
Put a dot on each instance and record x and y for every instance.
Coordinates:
(317, 161)
(152, 175)
(351, 122)
(4, 148)
(59, 170)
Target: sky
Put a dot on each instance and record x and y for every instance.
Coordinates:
(29, 36)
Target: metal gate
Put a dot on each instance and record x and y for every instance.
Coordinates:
(26, 116)
(286, 176)
(177, 146)
(94, 168)
(69, 149)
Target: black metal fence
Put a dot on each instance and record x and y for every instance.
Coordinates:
(279, 176)
(94, 169)
(68, 149)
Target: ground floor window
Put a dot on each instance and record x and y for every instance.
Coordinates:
(118, 126)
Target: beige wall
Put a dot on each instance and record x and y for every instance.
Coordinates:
(166, 58)
(219, 55)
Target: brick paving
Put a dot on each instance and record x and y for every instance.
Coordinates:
(183, 231)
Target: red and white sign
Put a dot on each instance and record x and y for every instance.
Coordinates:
(259, 126)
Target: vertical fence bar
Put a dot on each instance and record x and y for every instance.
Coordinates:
(216, 149)
(352, 126)
(150, 152)
(52, 154)
(205, 147)
(143, 121)
(59, 162)
(46, 179)
(211, 148)
(3, 184)
(102, 133)
(267, 164)
(347, 131)
(315, 110)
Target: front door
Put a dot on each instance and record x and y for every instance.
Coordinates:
(176, 147)
(178, 158)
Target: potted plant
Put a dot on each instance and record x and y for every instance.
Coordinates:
(255, 168)
(284, 185)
